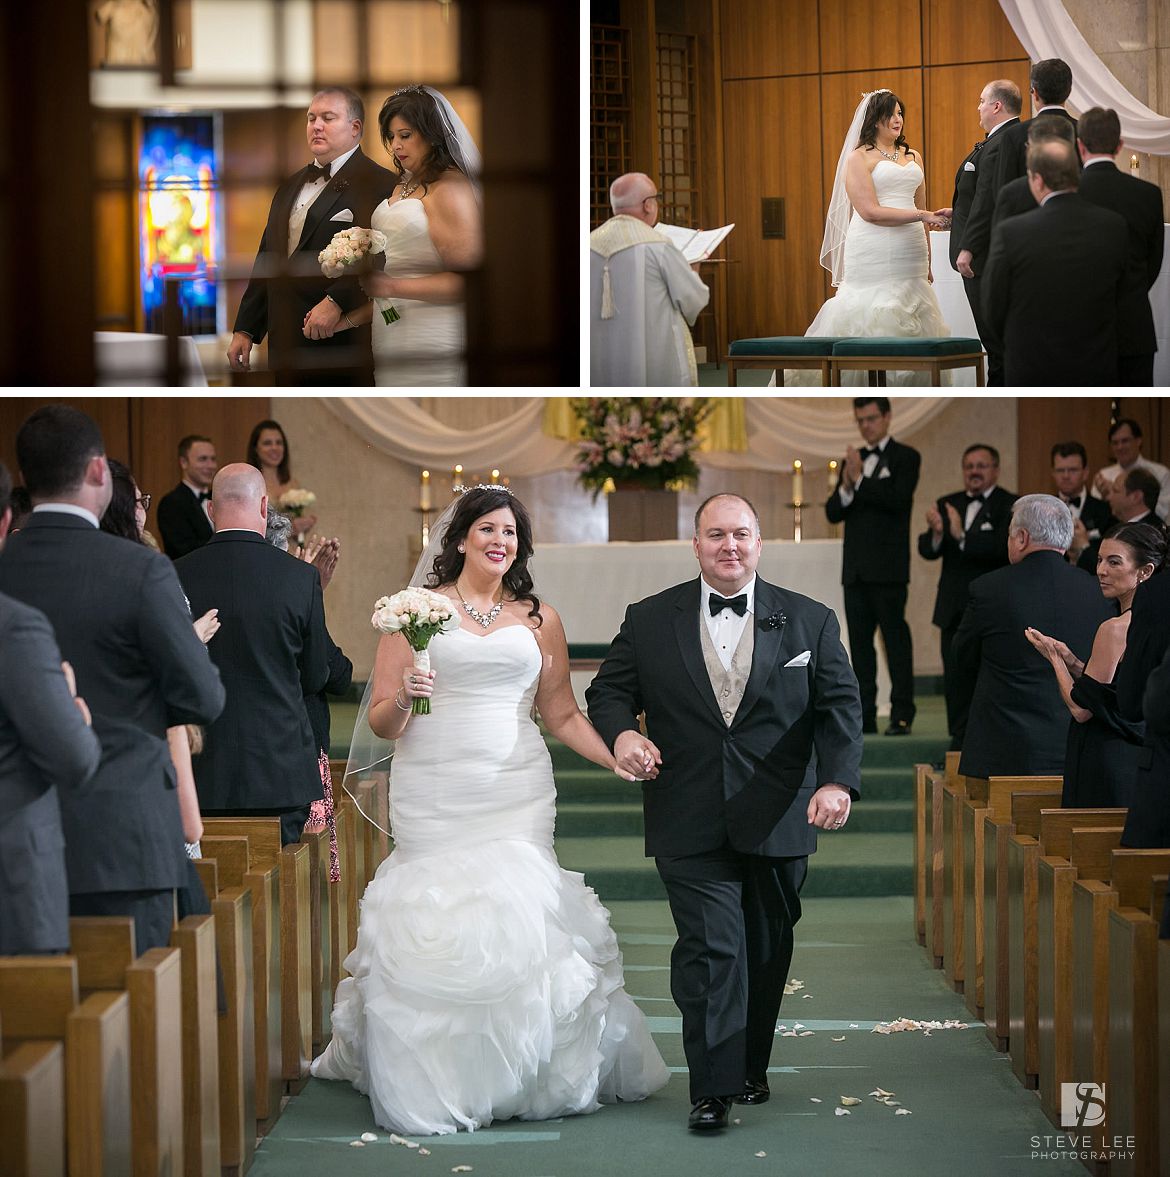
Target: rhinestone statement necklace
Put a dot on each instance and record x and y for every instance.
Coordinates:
(484, 619)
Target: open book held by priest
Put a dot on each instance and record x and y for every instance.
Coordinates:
(697, 245)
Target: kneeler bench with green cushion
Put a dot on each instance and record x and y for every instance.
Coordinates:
(782, 352)
(884, 354)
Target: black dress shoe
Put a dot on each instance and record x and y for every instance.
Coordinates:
(899, 727)
(754, 1091)
(869, 727)
(710, 1114)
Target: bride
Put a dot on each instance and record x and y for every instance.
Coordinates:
(876, 242)
(433, 227)
(486, 982)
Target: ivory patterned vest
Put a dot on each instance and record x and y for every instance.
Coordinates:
(729, 685)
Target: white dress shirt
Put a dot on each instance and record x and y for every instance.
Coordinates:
(68, 509)
(845, 492)
(726, 627)
(309, 192)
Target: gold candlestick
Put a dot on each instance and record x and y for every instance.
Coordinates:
(1134, 166)
(424, 491)
(456, 479)
(495, 478)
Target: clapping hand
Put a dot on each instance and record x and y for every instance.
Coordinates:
(1102, 485)
(853, 466)
(71, 683)
(954, 523)
(934, 521)
(323, 554)
(1055, 651)
(1080, 539)
(207, 627)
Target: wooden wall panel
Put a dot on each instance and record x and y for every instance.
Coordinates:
(973, 30)
(880, 35)
(773, 286)
(952, 118)
(766, 38)
(112, 414)
(1044, 420)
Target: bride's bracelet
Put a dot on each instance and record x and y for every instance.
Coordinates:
(401, 706)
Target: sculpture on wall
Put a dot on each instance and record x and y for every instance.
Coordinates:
(130, 32)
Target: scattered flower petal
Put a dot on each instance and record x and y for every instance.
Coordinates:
(849, 1101)
(356, 1144)
(852, 1025)
(793, 986)
(790, 1034)
(396, 1139)
(424, 1152)
(761, 1154)
(807, 1033)
(903, 1112)
(797, 1025)
(842, 1112)
(813, 1099)
(841, 1039)
(880, 1094)
(805, 996)
(369, 1137)
(900, 1024)
(461, 1169)
(737, 1121)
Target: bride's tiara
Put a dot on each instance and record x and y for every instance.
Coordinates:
(460, 489)
(414, 88)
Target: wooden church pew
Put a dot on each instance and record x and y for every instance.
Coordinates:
(32, 1110)
(953, 799)
(1057, 871)
(935, 786)
(1163, 954)
(921, 862)
(320, 941)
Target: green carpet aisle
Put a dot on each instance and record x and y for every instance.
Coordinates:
(859, 964)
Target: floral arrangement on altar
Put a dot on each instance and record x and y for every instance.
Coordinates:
(647, 441)
(418, 614)
(296, 502)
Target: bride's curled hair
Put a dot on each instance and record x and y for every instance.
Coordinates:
(881, 107)
(474, 504)
(415, 107)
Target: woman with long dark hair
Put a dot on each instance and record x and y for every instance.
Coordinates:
(1100, 766)
(268, 451)
(877, 236)
(486, 983)
(433, 228)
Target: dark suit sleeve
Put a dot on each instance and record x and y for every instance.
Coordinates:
(977, 231)
(926, 548)
(340, 668)
(837, 712)
(252, 317)
(966, 648)
(997, 285)
(1157, 701)
(178, 534)
(188, 680)
(1157, 242)
(314, 660)
(35, 701)
(614, 697)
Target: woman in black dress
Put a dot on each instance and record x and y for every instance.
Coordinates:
(1101, 757)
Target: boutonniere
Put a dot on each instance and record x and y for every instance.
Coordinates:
(774, 621)
(339, 185)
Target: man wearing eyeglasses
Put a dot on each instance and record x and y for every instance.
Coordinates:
(643, 296)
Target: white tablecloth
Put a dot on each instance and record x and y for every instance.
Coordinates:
(590, 585)
(948, 285)
(135, 360)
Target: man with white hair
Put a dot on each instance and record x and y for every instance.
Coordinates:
(1018, 723)
(260, 756)
(643, 296)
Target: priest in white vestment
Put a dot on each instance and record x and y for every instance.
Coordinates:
(643, 296)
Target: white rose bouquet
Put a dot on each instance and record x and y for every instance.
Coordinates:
(418, 614)
(351, 251)
(296, 502)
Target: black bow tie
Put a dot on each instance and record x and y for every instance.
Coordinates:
(974, 499)
(314, 172)
(204, 496)
(717, 604)
(865, 453)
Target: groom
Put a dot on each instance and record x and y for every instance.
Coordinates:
(753, 737)
(288, 298)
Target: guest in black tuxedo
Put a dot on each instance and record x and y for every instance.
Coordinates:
(1132, 499)
(183, 522)
(288, 295)
(873, 499)
(967, 530)
(259, 757)
(1053, 281)
(744, 687)
(1015, 196)
(1018, 724)
(1142, 692)
(1140, 203)
(46, 745)
(121, 621)
(1091, 517)
(999, 104)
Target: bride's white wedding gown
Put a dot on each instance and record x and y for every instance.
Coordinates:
(425, 346)
(884, 290)
(486, 982)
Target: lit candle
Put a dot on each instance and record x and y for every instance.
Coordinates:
(834, 475)
(456, 478)
(495, 478)
(1133, 163)
(424, 492)
(797, 482)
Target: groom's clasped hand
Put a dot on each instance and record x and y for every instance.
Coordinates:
(637, 757)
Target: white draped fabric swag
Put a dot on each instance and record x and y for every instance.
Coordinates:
(1045, 29)
(779, 429)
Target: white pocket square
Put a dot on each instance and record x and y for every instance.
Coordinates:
(985, 526)
(968, 166)
(799, 660)
(344, 215)
(885, 473)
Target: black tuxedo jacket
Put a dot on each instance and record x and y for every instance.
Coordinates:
(877, 519)
(1012, 157)
(1018, 723)
(1051, 291)
(1143, 674)
(976, 230)
(46, 751)
(271, 652)
(1095, 514)
(748, 784)
(984, 550)
(1140, 204)
(966, 179)
(1013, 198)
(284, 289)
(119, 617)
(182, 522)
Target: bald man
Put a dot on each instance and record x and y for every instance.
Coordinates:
(259, 759)
(643, 296)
